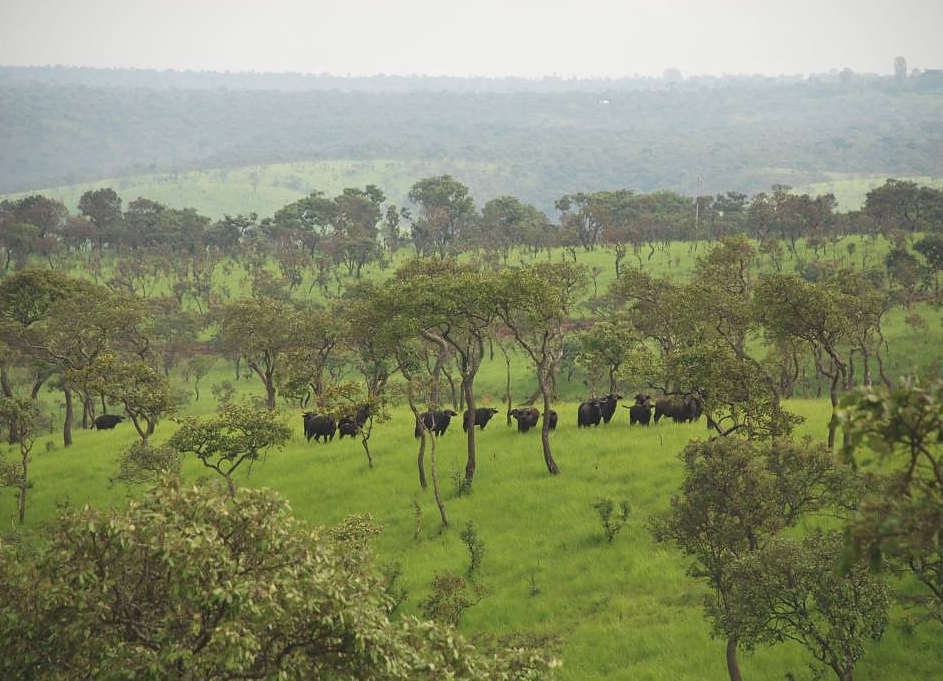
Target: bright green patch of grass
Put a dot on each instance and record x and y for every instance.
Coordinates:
(850, 191)
(622, 610)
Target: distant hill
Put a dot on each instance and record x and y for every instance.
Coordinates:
(537, 140)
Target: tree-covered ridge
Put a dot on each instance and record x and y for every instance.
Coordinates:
(688, 138)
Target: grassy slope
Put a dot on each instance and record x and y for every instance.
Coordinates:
(623, 610)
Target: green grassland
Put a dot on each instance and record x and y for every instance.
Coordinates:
(620, 610)
(850, 191)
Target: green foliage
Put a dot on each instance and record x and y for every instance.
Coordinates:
(144, 463)
(902, 516)
(237, 435)
(792, 589)
(736, 497)
(611, 524)
(145, 394)
(451, 595)
(23, 418)
(476, 549)
(188, 583)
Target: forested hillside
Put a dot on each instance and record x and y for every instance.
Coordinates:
(693, 137)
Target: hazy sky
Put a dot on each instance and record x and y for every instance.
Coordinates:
(528, 38)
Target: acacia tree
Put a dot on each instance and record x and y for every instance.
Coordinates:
(703, 330)
(145, 394)
(68, 323)
(606, 347)
(307, 366)
(237, 435)
(208, 586)
(24, 418)
(391, 322)
(736, 496)
(833, 319)
(535, 304)
(792, 589)
(457, 307)
(262, 331)
(445, 207)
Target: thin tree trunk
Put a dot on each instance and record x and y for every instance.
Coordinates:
(545, 430)
(69, 416)
(733, 669)
(7, 391)
(833, 398)
(471, 462)
(435, 484)
(23, 487)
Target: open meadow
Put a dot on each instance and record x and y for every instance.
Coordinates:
(619, 610)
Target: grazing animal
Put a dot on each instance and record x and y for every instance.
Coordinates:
(589, 413)
(346, 426)
(436, 421)
(351, 426)
(318, 426)
(680, 409)
(482, 416)
(641, 411)
(107, 421)
(607, 406)
(551, 420)
(526, 417)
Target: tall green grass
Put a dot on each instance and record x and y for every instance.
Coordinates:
(620, 610)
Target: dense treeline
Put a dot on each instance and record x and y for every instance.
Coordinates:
(687, 137)
(318, 234)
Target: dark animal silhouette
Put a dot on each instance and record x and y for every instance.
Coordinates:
(607, 406)
(437, 422)
(347, 425)
(107, 421)
(482, 416)
(319, 426)
(526, 417)
(684, 409)
(589, 413)
(551, 420)
(641, 411)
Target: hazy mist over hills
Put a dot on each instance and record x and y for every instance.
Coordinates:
(543, 137)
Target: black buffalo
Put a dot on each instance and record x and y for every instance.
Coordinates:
(348, 425)
(436, 422)
(551, 420)
(682, 409)
(526, 417)
(482, 416)
(607, 406)
(641, 411)
(318, 426)
(107, 421)
(589, 413)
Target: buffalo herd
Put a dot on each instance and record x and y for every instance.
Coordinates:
(591, 412)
